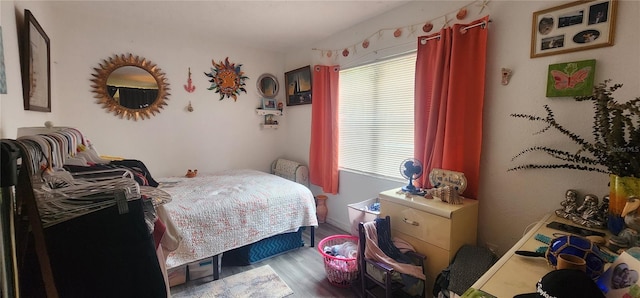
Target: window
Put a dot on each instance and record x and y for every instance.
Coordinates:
(376, 116)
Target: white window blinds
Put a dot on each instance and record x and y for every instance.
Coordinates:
(376, 116)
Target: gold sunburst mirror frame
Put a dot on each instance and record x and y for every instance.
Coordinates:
(108, 66)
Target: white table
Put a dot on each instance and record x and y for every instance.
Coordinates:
(514, 274)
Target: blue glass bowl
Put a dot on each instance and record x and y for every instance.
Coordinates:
(577, 246)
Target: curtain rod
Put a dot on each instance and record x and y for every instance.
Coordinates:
(355, 62)
(483, 24)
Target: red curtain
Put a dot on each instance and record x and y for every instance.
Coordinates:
(323, 154)
(449, 96)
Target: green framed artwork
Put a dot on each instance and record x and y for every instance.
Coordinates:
(571, 79)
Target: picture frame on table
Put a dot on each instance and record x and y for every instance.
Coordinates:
(298, 86)
(36, 68)
(269, 104)
(575, 26)
(621, 279)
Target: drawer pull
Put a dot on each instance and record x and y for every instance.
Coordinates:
(411, 222)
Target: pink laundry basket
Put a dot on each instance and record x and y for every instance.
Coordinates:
(341, 272)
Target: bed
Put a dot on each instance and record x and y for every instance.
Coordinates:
(202, 216)
(216, 213)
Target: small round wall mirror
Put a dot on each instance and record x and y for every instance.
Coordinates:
(268, 86)
(131, 87)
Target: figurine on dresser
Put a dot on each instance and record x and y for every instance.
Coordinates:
(603, 211)
(588, 215)
(569, 205)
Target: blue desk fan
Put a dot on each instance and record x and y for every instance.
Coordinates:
(411, 169)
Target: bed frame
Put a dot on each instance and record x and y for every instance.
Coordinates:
(287, 169)
(260, 248)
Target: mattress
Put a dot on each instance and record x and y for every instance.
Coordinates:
(215, 213)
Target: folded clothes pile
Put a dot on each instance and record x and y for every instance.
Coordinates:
(345, 250)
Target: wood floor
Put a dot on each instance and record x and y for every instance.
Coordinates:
(302, 269)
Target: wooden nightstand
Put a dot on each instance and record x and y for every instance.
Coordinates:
(435, 229)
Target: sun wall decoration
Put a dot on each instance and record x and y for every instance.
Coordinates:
(227, 79)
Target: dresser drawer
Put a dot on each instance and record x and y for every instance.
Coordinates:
(424, 226)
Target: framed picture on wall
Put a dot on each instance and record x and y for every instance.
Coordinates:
(575, 26)
(571, 79)
(269, 104)
(36, 71)
(298, 86)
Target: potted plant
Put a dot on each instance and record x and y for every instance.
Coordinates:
(614, 150)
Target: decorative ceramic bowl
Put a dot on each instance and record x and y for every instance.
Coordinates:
(577, 246)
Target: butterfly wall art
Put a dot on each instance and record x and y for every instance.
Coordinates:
(571, 79)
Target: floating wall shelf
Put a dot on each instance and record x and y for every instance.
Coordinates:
(268, 117)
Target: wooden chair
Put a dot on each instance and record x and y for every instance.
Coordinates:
(370, 286)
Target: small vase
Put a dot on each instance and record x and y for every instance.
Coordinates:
(620, 188)
(321, 208)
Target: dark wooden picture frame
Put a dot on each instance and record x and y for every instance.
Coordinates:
(36, 68)
(575, 26)
(298, 86)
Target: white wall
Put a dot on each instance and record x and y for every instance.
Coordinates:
(509, 201)
(226, 134)
(517, 198)
(12, 114)
(216, 135)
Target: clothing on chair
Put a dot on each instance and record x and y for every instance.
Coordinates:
(380, 248)
(402, 245)
(386, 244)
(374, 252)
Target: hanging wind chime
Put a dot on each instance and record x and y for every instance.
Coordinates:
(189, 87)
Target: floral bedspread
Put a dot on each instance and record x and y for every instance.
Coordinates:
(218, 212)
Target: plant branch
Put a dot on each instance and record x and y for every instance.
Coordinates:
(558, 166)
(616, 131)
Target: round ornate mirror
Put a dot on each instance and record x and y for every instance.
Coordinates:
(130, 86)
(268, 85)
